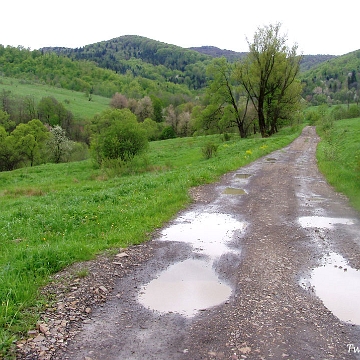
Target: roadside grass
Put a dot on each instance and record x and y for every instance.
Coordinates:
(53, 215)
(77, 102)
(338, 156)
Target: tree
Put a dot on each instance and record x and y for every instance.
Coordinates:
(59, 144)
(144, 109)
(119, 101)
(5, 121)
(53, 113)
(30, 141)
(228, 100)
(117, 135)
(268, 75)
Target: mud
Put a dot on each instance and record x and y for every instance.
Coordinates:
(269, 250)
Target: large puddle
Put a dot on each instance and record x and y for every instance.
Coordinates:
(208, 233)
(185, 288)
(192, 285)
(323, 222)
(338, 286)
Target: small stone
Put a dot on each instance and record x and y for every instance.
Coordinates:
(103, 289)
(43, 328)
(39, 338)
(122, 254)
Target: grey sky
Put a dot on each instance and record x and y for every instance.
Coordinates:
(317, 26)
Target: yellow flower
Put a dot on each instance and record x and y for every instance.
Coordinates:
(248, 152)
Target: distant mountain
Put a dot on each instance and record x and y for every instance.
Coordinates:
(307, 62)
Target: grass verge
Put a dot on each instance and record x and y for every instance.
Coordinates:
(57, 214)
(338, 156)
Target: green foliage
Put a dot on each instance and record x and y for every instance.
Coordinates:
(338, 156)
(269, 76)
(118, 136)
(333, 81)
(85, 76)
(140, 56)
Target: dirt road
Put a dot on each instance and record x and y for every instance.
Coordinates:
(284, 225)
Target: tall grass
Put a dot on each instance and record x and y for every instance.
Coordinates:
(56, 214)
(338, 156)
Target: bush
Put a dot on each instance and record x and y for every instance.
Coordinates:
(119, 136)
(209, 150)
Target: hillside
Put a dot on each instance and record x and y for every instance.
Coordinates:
(144, 57)
(86, 76)
(333, 81)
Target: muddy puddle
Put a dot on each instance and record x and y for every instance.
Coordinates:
(234, 191)
(185, 288)
(338, 286)
(242, 176)
(192, 285)
(323, 222)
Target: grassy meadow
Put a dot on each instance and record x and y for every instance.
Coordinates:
(56, 214)
(77, 102)
(338, 157)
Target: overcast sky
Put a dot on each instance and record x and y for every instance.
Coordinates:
(317, 26)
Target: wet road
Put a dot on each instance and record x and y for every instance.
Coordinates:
(243, 273)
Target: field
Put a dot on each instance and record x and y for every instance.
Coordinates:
(78, 103)
(54, 215)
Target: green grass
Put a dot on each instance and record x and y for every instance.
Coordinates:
(77, 102)
(56, 214)
(338, 157)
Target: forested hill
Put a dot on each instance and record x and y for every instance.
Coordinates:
(155, 60)
(307, 62)
(144, 57)
(333, 81)
(217, 52)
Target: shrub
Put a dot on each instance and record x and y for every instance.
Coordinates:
(119, 136)
(209, 150)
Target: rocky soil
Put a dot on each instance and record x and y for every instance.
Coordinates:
(94, 311)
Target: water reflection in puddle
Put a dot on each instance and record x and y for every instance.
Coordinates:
(185, 288)
(234, 191)
(208, 233)
(322, 222)
(192, 285)
(338, 286)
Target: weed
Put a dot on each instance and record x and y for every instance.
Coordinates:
(209, 150)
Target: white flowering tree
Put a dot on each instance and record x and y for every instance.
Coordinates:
(59, 144)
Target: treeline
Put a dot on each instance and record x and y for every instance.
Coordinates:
(85, 76)
(144, 57)
(334, 82)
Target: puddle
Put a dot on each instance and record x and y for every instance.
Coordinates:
(234, 191)
(193, 285)
(338, 286)
(208, 233)
(185, 288)
(242, 176)
(322, 222)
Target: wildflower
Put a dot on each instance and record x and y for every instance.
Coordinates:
(248, 152)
